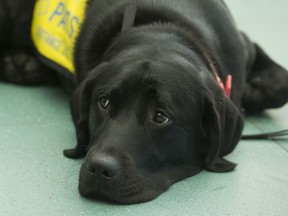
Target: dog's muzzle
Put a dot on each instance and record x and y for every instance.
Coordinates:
(110, 178)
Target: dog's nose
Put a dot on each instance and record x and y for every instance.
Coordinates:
(104, 166)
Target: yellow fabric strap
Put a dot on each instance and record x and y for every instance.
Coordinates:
(55, 27)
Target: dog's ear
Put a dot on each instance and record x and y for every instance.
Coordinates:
(79, 105)
(223, 125)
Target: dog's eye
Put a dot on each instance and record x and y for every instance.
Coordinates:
(160, 118)
(104, 102)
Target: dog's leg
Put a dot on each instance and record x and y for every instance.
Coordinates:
(267, 83)
(21, 68)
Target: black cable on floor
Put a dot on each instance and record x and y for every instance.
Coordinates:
(271, 135)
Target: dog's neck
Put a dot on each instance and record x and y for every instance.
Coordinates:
(128, 23)
(96, 45)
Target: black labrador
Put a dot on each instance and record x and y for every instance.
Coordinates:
(153, 103)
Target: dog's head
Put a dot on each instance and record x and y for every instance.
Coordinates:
(145, 124)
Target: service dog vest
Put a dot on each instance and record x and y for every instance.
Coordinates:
(55, 27)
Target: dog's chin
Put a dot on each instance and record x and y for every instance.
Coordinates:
(122, 196)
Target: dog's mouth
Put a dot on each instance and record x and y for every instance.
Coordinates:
(128, 186)
(126, 197)
(124, 191)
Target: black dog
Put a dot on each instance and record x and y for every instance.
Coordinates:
(149, 107)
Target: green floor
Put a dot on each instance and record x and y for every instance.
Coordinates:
(35, 126)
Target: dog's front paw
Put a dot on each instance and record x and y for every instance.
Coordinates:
(22, 68)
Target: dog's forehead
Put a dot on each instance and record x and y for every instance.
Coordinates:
(141, 73)
(175, 83)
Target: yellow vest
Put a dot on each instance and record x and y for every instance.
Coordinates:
(55, 27)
